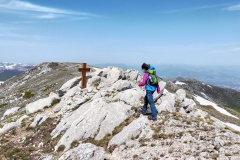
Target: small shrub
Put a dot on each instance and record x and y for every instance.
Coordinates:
(176, 118)
(228, 144)
(143, 140)
(14, 132)
(28, 94)
(31, 149)
(223, 131)
(112, 148)
(189, 122)
(28, 128)
(55, 101)
(162, 136)
(3, 105)
(74, 144)
(143, 145)
(214, 156)
(153, 145)
(157, 129)
(61, 148)
(228, 154)
(205, 128)
(135, 156)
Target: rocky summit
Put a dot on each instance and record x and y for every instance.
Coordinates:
(102, 121)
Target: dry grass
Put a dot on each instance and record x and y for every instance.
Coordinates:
(25, 149)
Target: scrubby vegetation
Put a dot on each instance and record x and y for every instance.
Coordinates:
(28, 94)
(36, 141)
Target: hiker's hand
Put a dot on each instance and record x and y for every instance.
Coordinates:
(158, 90)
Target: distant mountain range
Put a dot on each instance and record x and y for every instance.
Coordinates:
(222, 76)
(8, 70)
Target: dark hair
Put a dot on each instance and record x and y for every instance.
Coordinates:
(145, 66)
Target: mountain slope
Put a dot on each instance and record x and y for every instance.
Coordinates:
(223, 96)
(35, 83)
(103, 122)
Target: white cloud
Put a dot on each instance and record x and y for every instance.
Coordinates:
(233, 8)
(30, 10)
(193, 9)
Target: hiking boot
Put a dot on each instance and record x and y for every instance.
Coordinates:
(148, 112)
(152, 118)
(143, 113)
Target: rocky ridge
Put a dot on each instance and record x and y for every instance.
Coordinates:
(102, 122)
(35, 83)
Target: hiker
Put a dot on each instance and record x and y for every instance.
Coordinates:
(150, 81)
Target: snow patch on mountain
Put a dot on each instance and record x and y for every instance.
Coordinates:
(209, 86)
(233, 126)
(205, 102)
(14, 66)
(180, 83)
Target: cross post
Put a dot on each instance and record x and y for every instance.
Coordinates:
(84, 71)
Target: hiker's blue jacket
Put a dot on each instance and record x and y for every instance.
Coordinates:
(145, 82)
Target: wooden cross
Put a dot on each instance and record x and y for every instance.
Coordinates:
(84, 71)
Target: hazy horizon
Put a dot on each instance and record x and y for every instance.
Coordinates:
(128, 64)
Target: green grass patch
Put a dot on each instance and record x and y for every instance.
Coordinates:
(28, 94)
(3, 105)
(55, 101)
(61, 148)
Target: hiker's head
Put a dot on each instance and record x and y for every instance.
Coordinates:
(145, 67)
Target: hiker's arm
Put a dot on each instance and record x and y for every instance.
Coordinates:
(158, 89)
(144, 80)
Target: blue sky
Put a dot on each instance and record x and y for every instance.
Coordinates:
(203, 32)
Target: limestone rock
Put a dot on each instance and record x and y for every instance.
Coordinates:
(41, 103)
(180, 95)
(39, 119)
(84, 151)
(217, 123)
(115, 74)
(167, 103)
(95, 80)
(133, 75)
(74, 98)
(218, 142)
(130, 96)
(235, 158)
(132, 130)
(10, 112)
(120, 85)
(162, 86)
(50, 157)
(7, 127)
(68, 85)
(188, 105)
(95, 118)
